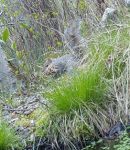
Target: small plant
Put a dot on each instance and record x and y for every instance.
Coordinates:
(84, 87)
(8, 138)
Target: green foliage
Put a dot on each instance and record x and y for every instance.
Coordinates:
(14, 46)
(82, 5)
(25, 26)
(8, 138)
(5, 35)
(124, 143)
(83, 87)
(110, 40)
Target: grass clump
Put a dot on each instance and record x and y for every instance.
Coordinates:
(109, 47)
(8, 138)
(84, 87)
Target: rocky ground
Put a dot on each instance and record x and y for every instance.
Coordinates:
(24, 114)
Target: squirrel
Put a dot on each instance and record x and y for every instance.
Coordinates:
(60, 65)
(76, 44)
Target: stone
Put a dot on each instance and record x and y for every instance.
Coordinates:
(109, 14)
(7, 80)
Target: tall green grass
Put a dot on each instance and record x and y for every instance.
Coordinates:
(8, 138)
(84, 87)
(107, 47)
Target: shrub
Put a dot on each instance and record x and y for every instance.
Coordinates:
(8, 138)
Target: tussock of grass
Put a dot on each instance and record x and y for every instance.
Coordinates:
(8, 138)
(84, 87)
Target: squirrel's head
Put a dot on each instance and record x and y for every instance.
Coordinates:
(49, 68)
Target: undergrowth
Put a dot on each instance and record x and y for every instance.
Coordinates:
(82, 106)
(90, 101)
(8, 137)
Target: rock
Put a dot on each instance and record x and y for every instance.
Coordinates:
(109, 14)
(25, 132)
(7, 81)
(115, 131)
(4, 69)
